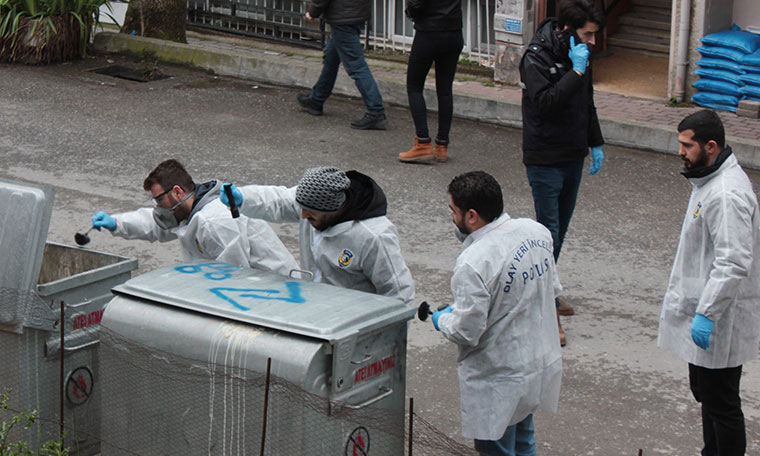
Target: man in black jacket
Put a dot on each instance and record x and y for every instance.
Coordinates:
(559, 117)
(346, 19)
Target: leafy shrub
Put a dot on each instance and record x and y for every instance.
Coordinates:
(24, 419)
(45, 31)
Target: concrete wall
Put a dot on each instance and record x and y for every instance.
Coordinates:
(747, 14)
(510, 46)
(707, 16)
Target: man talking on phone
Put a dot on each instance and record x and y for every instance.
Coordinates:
(560, 125)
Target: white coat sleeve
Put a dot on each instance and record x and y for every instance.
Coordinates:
(220, 239)
(384, 265)
(271, 203)
(469, 314)
(139, 224)
(729, 221)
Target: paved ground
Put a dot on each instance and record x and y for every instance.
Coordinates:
(633, 122)
(94, 138)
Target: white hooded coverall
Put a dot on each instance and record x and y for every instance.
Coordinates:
(211, 233)
(358, 254)
(716, 272)
(505, 323)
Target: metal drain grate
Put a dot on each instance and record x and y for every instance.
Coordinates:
(131, 74)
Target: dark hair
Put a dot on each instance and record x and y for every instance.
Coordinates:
(575, 14)
(167, 174)
(706, 126)
(477, 190)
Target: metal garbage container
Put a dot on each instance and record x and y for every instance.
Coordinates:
(35, 277)
(185, 348)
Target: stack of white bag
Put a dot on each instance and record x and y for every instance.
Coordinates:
(723, 70)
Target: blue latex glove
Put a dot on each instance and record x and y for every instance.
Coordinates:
(235, 194)
(701, 327)
(579, 54)
(597, 156)
(437, 314)
(103, 220)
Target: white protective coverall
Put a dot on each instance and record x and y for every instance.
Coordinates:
(211, 233)
(505, 323)
(358, 254)
(716, 272)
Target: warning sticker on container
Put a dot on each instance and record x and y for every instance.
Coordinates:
(358, 442)
(513, 25)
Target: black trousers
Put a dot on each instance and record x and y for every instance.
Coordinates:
(722, 418)
(443, 48)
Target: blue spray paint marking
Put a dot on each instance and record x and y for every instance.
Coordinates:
(220, 271)
(294, 290)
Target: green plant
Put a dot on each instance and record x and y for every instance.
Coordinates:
(26, 419)
(37, 23)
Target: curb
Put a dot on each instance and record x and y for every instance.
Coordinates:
(297, 71)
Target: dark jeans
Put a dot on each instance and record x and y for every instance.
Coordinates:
(722, 418)
(344, 46)
(518, 440)
(555, 189)
(443, 48)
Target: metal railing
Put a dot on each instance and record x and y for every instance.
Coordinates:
(388, 28)
(280, 20)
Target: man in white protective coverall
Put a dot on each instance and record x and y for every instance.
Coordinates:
(711, 310)
(204, 226)
(503, 319)
(346, 240)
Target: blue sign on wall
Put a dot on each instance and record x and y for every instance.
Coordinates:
(513, 25)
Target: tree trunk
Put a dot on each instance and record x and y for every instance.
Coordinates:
(163, 19)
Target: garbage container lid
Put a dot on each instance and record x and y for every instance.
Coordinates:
(25, 211)
(265, 299)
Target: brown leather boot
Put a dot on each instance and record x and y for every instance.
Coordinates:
(441, 152)
(564, 308)
(421, 152)
(562, 338)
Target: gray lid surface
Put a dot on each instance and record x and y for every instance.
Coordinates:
(25, 211)
(264, 299)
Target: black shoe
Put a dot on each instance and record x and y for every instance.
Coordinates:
(370, 122)
(309, 105)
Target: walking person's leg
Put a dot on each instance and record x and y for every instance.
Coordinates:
(420, 61)
(349, 48)
(330, 64)
(446, 62)
(546, 183)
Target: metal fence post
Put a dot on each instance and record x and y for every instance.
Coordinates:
(411, 424)
(266, 406)
(60, 379)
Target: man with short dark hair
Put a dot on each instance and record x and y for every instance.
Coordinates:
(711, 310)
(205, 228)
(559, 118)
(346, 19)
(502, 319)
(346, 239)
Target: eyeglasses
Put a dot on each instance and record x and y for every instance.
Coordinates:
(156, 199)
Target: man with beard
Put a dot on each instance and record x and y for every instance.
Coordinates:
(502, 319)
(345, 238)
(193, 214)
(711, 311)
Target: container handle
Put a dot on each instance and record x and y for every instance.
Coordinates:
(384, 392)
(81, 346)
(301, 274)
(366, 358)
(86, 302)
